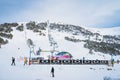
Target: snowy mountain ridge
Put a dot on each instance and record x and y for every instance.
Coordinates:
(78, 41)
(106, 31)
(95, 39)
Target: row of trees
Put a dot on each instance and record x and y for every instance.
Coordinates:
(5, 32)
(20, 27)
(111, 39)
(6, 27)
(2, 41)
(72, 39)
(36, 27)
(75, 30)
(107, 48)
(106, 43)
(70, 28)
(9, 36)
(93, 41)
(9, 24)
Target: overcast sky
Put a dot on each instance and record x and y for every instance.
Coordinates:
(91, 13)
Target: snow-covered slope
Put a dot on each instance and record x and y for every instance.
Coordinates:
(18, 48)
(106, 31)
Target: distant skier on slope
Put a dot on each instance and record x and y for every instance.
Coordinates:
(52, 71)
(25, 60)
(112, 61)
(13, 61)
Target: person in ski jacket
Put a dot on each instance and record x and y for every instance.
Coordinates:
(25, 61)
(52, 71)
(13, 61)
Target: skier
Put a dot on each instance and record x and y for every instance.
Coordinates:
(13, 61)
(25, 61)
(52, 71)
(112, 61)
(83, 58)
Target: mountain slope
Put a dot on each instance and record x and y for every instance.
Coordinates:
(17, 47)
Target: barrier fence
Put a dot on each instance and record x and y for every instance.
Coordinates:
(71, 62)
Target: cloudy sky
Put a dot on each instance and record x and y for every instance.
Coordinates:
(91, 13)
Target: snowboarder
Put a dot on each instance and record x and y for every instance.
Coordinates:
(25, 60)
(13, 61)
(52, 71)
